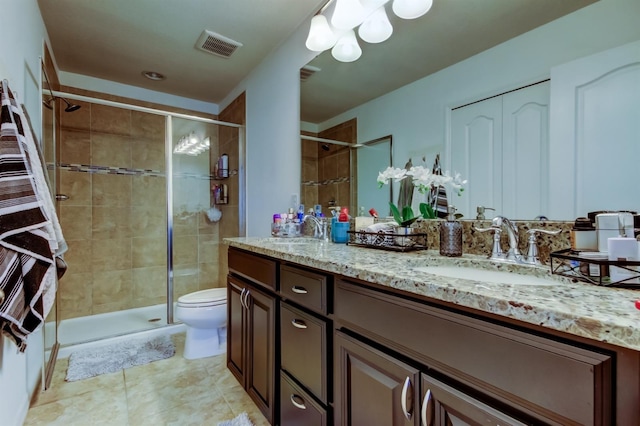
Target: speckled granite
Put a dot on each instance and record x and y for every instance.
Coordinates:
(586, 310)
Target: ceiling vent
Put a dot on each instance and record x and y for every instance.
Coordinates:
(217, 44)
(307, 71)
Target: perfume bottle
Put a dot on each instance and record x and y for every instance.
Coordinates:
(451, 235)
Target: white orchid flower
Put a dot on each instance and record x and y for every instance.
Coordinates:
(391, 173)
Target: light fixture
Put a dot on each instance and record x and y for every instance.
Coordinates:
(376, 28)
(369, 15)
(320, 35)
(191, 144)
(411, 9)
(347, 48)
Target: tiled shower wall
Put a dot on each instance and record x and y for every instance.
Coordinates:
(114, 220)
(326, 174)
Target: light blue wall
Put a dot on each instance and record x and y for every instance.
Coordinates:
(22, 33)
(416, 114)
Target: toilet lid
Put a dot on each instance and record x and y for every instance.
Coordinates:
(204, 296)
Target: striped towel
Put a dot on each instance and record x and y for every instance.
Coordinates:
(27, 260)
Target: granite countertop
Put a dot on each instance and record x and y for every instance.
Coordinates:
(599, 313)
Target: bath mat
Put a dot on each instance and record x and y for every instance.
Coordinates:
(241, 420)
(118, 356)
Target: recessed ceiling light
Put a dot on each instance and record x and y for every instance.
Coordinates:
(152, 75)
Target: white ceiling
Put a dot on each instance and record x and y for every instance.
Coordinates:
(118, 39)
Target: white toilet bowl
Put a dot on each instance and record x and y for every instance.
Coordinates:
(205, 315)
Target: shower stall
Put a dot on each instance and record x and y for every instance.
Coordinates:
(144, 204)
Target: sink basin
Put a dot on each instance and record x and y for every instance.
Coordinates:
(483, 275)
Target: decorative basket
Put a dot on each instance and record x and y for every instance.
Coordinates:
(387, 240)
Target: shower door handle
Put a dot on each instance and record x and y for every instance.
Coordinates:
(62, 197)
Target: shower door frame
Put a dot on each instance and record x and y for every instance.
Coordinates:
(169, 172)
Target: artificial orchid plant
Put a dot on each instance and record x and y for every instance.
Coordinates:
(424, 180)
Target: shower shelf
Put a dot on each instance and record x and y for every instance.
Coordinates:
(219, 194)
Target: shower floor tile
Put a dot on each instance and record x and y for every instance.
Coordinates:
(173, 391)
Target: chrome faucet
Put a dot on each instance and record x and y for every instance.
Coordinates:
(497, 224)
(320, 226)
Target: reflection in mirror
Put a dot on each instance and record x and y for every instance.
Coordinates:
(326, 167)
(369, 159)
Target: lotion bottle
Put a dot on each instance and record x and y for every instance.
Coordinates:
(451, 235)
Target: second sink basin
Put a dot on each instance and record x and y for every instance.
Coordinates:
(483, 275)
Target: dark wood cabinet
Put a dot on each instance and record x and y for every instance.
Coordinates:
(297, 407)
(443, 405)
(373, 388)
(251, 338)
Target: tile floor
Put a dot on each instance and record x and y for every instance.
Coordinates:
(174, 391)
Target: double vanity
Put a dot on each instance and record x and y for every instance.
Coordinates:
(322, 333)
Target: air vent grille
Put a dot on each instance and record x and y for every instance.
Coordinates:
(307, 71)
(217, 44)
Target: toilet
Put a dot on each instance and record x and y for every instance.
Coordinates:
(205, 315)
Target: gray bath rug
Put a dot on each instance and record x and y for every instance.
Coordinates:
(241, 420)
(118, 356)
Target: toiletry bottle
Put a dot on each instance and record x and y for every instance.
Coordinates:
(451, 235)
(583, 235)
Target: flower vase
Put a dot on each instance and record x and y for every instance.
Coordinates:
(402, 236)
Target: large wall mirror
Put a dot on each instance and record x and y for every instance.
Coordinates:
(417, 98)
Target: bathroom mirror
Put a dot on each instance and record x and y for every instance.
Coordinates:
(367, 159)
(331, 88)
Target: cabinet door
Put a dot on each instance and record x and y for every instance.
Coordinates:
(373, 388)
(236, 325)
(443, 405)
(261, 365)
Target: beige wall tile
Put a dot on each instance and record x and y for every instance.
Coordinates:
(185, 249)
(149, 283)
(149, 251)
(78, 257)
(110, 150)
(103, 308)
(110, 255)
(148, 222)
(147, 154)
(75, 222)
(205, 226)
(77, 186)
(147, 126)
(111, 222)
(107, 119)
(111, 190)
(185, 280)
(112, 287)
(208, 277)
(75, 147)
(208, 248)
(149, 191)
(74, 295)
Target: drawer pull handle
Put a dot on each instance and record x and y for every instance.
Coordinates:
(299, 290)
(426, 408)
(298, 402)
(298, 323)
(407, 398)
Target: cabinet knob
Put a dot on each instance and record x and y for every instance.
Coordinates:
(298, 323)
(299, 290)
(298, 402)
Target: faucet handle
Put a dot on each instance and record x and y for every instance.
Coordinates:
(533, 256)
(496, 250)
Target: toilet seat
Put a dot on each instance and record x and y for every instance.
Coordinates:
(204, 298)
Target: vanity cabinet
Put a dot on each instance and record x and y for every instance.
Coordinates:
(524, 376)
(251, 328)
(305, 339)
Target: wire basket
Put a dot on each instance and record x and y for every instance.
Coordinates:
(595, 270)
(386, 240)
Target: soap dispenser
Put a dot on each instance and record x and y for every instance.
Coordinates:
(451, 235)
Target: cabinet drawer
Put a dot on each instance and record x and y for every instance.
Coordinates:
(253, 267)
(558, 381)
(297, 407)
(304, 287)
(304, 349)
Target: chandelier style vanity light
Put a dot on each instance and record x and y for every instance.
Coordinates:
(334, 27)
